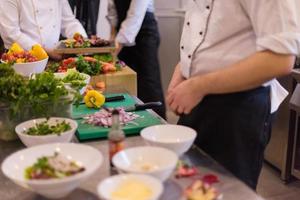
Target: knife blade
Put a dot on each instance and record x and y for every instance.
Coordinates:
(143, 106)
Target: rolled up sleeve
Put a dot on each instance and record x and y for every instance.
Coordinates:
(112, 15)
(276, 24)
(131, 26)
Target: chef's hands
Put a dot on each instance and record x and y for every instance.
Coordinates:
(185, 96)
(53, 55)
(177, 78)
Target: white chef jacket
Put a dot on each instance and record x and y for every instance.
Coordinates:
(28, 22)
(219, 33)
(131, 26)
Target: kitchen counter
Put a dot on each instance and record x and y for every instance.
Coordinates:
(231, 188)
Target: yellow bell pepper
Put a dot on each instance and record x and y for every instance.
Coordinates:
(38, 51)
(15, 48)
(94, 99)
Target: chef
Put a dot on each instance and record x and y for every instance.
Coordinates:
(29, 22)
(135, 31)
(224, 85)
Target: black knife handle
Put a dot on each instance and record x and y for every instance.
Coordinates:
(148, 105)
(114, 98)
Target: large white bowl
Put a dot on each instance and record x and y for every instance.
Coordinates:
(32, 140)
(174, 137)
(27, 69)
(109, 185)
(61, 75)
(156, 161)
(13, 167)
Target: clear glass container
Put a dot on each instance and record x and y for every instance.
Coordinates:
(8, 123)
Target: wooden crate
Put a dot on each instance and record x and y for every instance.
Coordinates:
(121, 81)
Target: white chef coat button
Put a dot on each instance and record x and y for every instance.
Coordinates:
(53, 26)
(201, 33)
(207, 7)
(188, 23)
(37, 11)
(41, 28)
(182, 47)
(51, 9)
(189, 56)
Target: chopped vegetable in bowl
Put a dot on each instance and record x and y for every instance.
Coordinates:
(75, 78)
(44, 128)
(49, 167)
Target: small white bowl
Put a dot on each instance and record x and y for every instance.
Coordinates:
(90, 158)
(27, 69)
(61, 75)
(174, 137)
(155, 161)
(109, 185)
(32, 140)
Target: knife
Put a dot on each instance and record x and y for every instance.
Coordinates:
(143, 106)
(135, 107)
(110, 99)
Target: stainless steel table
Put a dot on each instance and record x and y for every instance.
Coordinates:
(231, 188)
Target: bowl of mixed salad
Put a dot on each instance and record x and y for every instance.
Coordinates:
(42, 131)
(52, 170)
(74, 79)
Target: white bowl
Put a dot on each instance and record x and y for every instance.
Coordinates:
(26, 69)
(109, 185)
(61, 75)
(156, 161)
(174, 137)
(90, 158)
(32, 140)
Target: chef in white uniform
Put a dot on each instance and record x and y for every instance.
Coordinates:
(29, 22)
(224, 84)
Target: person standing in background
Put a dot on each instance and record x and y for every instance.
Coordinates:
(135, 31)
(29, 22)
(86, 12)
(225, 86)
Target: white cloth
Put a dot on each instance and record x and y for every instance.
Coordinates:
(131, 26)
(28, 22)
(218, 34)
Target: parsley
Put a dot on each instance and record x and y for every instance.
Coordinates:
(44, 128)
(37, 93)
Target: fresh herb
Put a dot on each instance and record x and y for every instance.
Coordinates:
(91, 68)
(53, 67)
(104, 57)
(44, 128)
(39, 92)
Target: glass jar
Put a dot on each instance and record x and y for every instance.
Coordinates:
(8, 123)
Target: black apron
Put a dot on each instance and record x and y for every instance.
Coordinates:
(234, 129)
(143, 57)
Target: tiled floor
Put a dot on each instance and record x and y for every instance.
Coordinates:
(272, 188)
(270, 185)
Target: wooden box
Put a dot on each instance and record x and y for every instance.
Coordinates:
(124, 81)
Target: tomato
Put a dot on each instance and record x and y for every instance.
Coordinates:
(68, 61)
(62, 69)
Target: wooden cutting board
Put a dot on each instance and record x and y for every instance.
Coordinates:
(90, 132)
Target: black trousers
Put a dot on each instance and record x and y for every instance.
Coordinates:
(143, 58)
(234, 129)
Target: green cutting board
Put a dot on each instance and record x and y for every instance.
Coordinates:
(89, 132)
